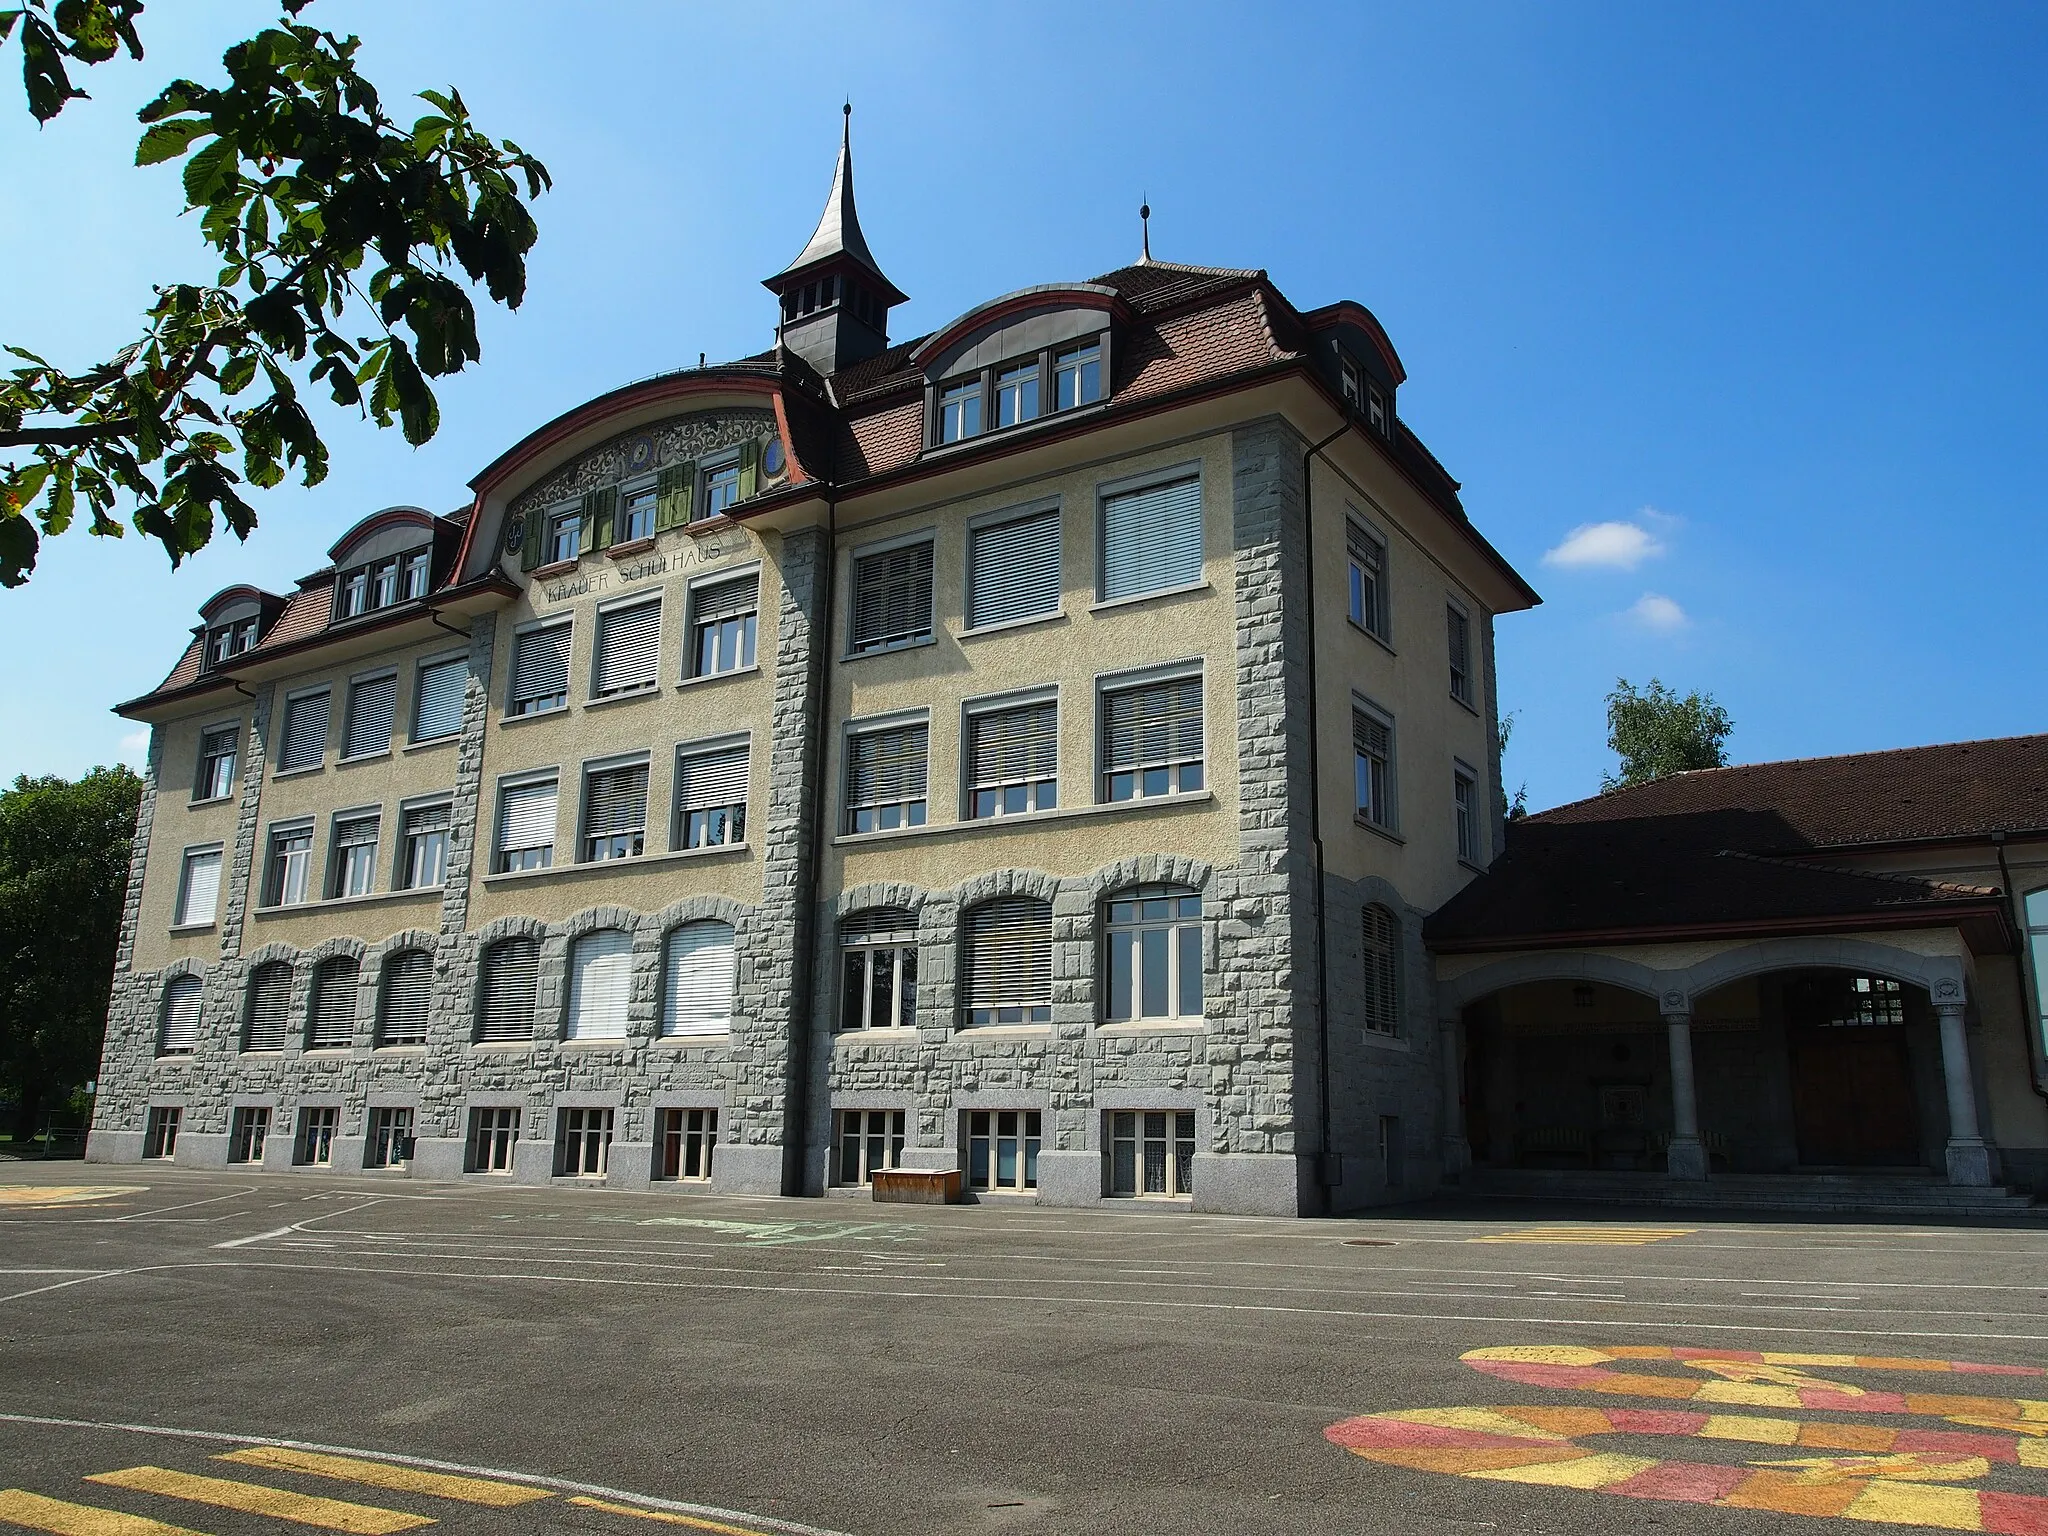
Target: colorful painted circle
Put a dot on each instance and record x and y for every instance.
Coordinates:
(639, 454)
(772, 460)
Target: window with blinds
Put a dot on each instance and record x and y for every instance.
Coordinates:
(614, 812)
(526, 826)
(437, 699)
(540, 670)
(892, 598)
(1013, 569)
(697, 966)
(1460, 635)
(372, 716)
(405, 998)
(600, 984)
(198, 887)
(1381, 977)
(268, 1019)
(507, 987)
(1007, 962)
(331, 1016)
(286, 877)
(216, 777)
(423, 846)
(352, 860)
(1152, 539)
(1013, 759)
(1368, 577)
(885, 777)
(1372, 744)
(1152, 739)
(628, 649)
(178, 1024)
(711, 796)
(723, 617)
(304, 738)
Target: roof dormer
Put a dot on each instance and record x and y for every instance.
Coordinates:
(387, 559)
(1029, 354)
(232, 621)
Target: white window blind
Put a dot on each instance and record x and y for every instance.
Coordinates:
(526, 817)
(180, 1028)
(1013, 569)
(628, 648)
(1007, 745)
(1152, 539)
(892, 597)
(199, 887)
(540, 669)
(600, 984)
(437, 709)
(1368, 594)
(505, 999)
(1157, 723)
(1382, 945)
(331, 1019)
(615, 801)
(405, 1000)
(1009, 961)
(372, 714)
(697, 980)
(726, 599)
(887, 765)
(1460, 629)
(707, 781)
(270, 1007)
(305, 731)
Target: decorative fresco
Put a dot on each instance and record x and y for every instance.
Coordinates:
(650, 447)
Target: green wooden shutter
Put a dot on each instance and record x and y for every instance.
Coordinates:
(672, 504)
(536, 530)
(750, 467)
(599, 510)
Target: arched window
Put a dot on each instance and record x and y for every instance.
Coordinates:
(178, 1027)
(600, 984)
(879, 973)
(696, 980)
(1381, 981)
(406, 998)
(1007, 962)
(268, 1019)
(1153, 954)
(331, 1020)
(510, 975)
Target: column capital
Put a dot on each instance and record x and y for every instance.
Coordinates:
(1674, 1005)
(1949, 1007)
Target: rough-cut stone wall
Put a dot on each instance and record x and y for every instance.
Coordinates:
(138, 854)
(234, 895)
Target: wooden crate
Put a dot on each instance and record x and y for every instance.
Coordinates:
(917, 1186)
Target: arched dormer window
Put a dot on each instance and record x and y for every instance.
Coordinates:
(383, 561)
(233, 622)
(1016, 359)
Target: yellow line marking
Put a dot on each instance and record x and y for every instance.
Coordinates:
(667, 1517)
(33, 1512)
(65, 1194)
(383, 1474)
(255, 1499)
(1622, 1236)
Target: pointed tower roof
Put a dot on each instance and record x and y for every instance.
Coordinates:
(838, 233)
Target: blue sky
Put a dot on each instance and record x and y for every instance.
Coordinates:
(1731, 319)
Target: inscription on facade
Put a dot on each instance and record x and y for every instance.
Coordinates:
(642, 568)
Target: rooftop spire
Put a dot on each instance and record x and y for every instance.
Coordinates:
(1145, 232)
(838, 232)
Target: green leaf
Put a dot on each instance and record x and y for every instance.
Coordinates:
(22, 487)
(42, 71)
(7, 21)
(167, 141)
(419, 413)
(18, 544)
(209, 172)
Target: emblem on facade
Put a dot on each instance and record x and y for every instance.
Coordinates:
(639, 454)
(1948, 990)
(515, 532)
(773, 460)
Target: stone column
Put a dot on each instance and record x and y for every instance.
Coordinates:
(1969, 1159)
(1687, 1158)
(1457, 1151)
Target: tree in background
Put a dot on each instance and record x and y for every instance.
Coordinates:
(327, 216)
(1504, 730)
(63, 875)
(1656, 733)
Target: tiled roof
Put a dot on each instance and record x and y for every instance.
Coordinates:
(306, 614)
(187, 669)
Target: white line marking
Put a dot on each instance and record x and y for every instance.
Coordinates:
(165, 1210)
(98, 1274)
(256, 1237)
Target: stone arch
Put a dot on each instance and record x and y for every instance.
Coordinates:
(697, 909)
(1454, 995)
(590, 919)
(877, 893)
(977, 889)
(340, 945)
(290, 954)
(1148, 869)
(1943, 977)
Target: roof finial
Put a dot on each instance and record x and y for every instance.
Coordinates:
(1145, 228)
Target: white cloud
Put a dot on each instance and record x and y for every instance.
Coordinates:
(1655, 611)
(135, 749)
(1606, 546)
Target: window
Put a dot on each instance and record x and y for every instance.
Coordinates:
(1154, 968)
(1007, 969)
(697, 973)
(160, 1131)
(1464, 801)
(1077, 376)
(437, 699)
(1152, 539)
(372, 713)
(722, 620)
(1380, 978)
(1869, 1000)
(247, 1132)
(216, 779)
(413, 580)
(711, 796)
(960, 411)
(305, 731)
(583, 1143)
(526, 825)
(1372, 748)
(885, 777)
(405, 1001)
(198, 887)
(1368, 566)
(1016, 393)
(628, 649)
(869, 1141)
(509, 978)
(892, 598)
(879, 990)
(1002, 1149)
(600, 984)
(423, 846)
(1460, 628)
(313, 1147)
(1013, 759)
(286, 878)
(614, 812)
(2037, 949)
(1013, 569)
(1392, 1163)
(352, 593)
(331, 1015)
(540, 669)
(1152, 1153)
(178, 1024)
(390, 1144)
(352, 860)
(227, 641)
(685, 1138)
(1152, 739)
(493, 1133)
(564, 537)
(636, 515)
(1350, 381)
(268, 1020)
(1379, 410)
(381, 583)
(721, 488)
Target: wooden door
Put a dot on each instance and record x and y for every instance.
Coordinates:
(1852, 1097)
